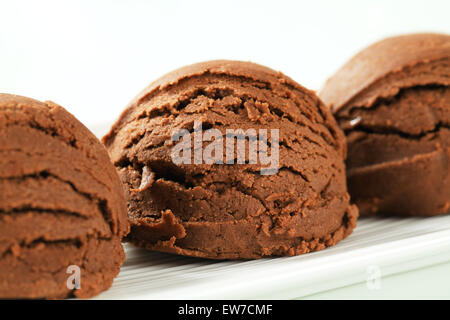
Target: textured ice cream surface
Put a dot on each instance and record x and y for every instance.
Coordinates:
(232, 211)
(393, 101)
(62, 207)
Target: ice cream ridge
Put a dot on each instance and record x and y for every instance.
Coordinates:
(231, 160)
(62, 206)
(393, 101)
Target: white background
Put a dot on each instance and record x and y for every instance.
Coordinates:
(92, 57)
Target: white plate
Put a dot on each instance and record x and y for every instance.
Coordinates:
(388, 246)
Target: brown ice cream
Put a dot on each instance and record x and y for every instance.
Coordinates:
(61, 204)
(393, 101)
(232, 211)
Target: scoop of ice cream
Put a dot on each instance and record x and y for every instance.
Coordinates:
(282, 191)
(393, 101)
(62, 207)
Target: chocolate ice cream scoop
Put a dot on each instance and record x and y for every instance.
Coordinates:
(393, 101)
(231, 160)
(62, 207)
